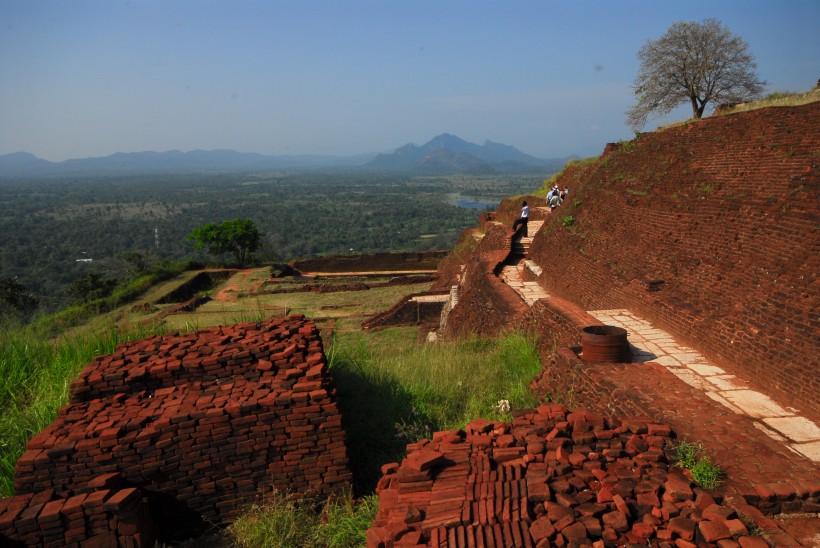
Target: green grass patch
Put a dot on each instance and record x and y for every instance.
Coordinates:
(394, 390)
(284, 521)
(693, 457)
(35, 375)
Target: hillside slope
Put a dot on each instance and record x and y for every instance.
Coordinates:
(709, 230)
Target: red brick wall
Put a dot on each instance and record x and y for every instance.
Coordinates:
(721, 217)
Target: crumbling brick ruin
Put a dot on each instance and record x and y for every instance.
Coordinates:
(201, 423)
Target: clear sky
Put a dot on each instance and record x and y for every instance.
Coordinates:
(87, 78)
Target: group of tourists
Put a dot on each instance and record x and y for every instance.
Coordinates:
(556, 196)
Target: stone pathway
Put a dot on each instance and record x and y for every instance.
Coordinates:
(532, 228)
(529, 291)
(782, 424)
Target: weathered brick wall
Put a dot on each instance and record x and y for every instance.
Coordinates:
(210, 420)
(708, 230)
(449, 268)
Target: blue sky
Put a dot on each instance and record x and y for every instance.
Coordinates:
(89, 78)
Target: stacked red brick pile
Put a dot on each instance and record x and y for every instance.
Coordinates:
(105, 517)
(210, 419)
(552, 477)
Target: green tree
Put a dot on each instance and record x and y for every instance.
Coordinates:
(14, 300)
(698, 62)
(91, 287)
(237, 236)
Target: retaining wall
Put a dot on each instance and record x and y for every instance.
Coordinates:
(708, 230)
(408, 311)
(372, 262)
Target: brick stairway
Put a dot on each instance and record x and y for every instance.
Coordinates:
(517, 261)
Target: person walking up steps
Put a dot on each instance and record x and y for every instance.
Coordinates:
(523, 219)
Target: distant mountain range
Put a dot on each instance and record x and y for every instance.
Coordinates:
(445, 154)
(450, 154)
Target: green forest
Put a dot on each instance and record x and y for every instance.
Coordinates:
(59, 230)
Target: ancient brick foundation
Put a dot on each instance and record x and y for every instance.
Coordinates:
(373, 262)
(410, 310)
(202, 423)
(555, 478)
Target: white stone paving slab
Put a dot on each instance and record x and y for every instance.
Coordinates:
(687, 357)
(797, 429)
(755, 404)
(809, 450)
(690, 378)
(727, 382)
(769, 432)
(723, 401)
(668, 361)
(706, 370)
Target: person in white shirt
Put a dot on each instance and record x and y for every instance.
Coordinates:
(523, 219)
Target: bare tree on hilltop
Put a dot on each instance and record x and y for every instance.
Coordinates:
(697, 62)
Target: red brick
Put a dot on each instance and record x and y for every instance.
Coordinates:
(616, 520)
(683, 527)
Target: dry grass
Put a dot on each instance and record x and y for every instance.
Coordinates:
(778, 99)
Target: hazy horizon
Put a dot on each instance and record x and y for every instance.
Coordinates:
(95, 77)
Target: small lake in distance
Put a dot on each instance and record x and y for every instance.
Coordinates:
(473, 202)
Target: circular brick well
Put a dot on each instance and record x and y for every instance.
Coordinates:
(604, 343)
